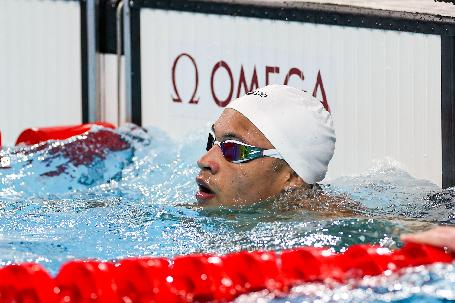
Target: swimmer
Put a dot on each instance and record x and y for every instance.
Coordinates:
(271, 143)
(441, 236)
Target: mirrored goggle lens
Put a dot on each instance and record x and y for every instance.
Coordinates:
(233, 151)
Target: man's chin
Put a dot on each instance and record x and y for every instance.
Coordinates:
(205, 198)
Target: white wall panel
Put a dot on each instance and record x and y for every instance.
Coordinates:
(383, 87)
(40, 65)
(108, 90)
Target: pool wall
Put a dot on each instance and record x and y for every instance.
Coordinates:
(386, 75)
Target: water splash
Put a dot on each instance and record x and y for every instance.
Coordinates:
(135, 197)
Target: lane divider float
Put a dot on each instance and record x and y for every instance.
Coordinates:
(205, 277)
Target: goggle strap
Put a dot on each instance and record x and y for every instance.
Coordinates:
(273, 153)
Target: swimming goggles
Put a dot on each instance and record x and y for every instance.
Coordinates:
(238, 152)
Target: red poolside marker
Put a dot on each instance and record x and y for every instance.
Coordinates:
(33, 136)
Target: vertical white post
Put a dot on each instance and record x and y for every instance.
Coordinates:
(94, 110)
(127, 51)
(119, 46)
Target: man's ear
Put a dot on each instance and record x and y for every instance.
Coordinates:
(294, 181)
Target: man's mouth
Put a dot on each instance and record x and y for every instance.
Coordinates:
(204, 192)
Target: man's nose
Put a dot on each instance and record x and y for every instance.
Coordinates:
(210, 160)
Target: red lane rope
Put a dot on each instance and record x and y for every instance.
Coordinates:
(204, 277)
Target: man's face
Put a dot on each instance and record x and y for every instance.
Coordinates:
(224, 183)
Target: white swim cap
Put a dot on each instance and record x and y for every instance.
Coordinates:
(296, 124)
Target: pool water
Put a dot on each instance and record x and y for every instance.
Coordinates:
(130, 192)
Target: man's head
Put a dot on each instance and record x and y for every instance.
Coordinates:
(278, 117)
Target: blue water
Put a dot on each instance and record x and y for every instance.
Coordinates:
(139, 200)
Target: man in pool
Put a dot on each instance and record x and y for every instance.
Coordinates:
(270, 143)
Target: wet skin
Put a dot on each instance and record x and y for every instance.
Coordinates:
(224, 183)
(442, 236)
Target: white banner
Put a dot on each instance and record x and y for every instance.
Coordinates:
(382, 87)
(40, 65)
